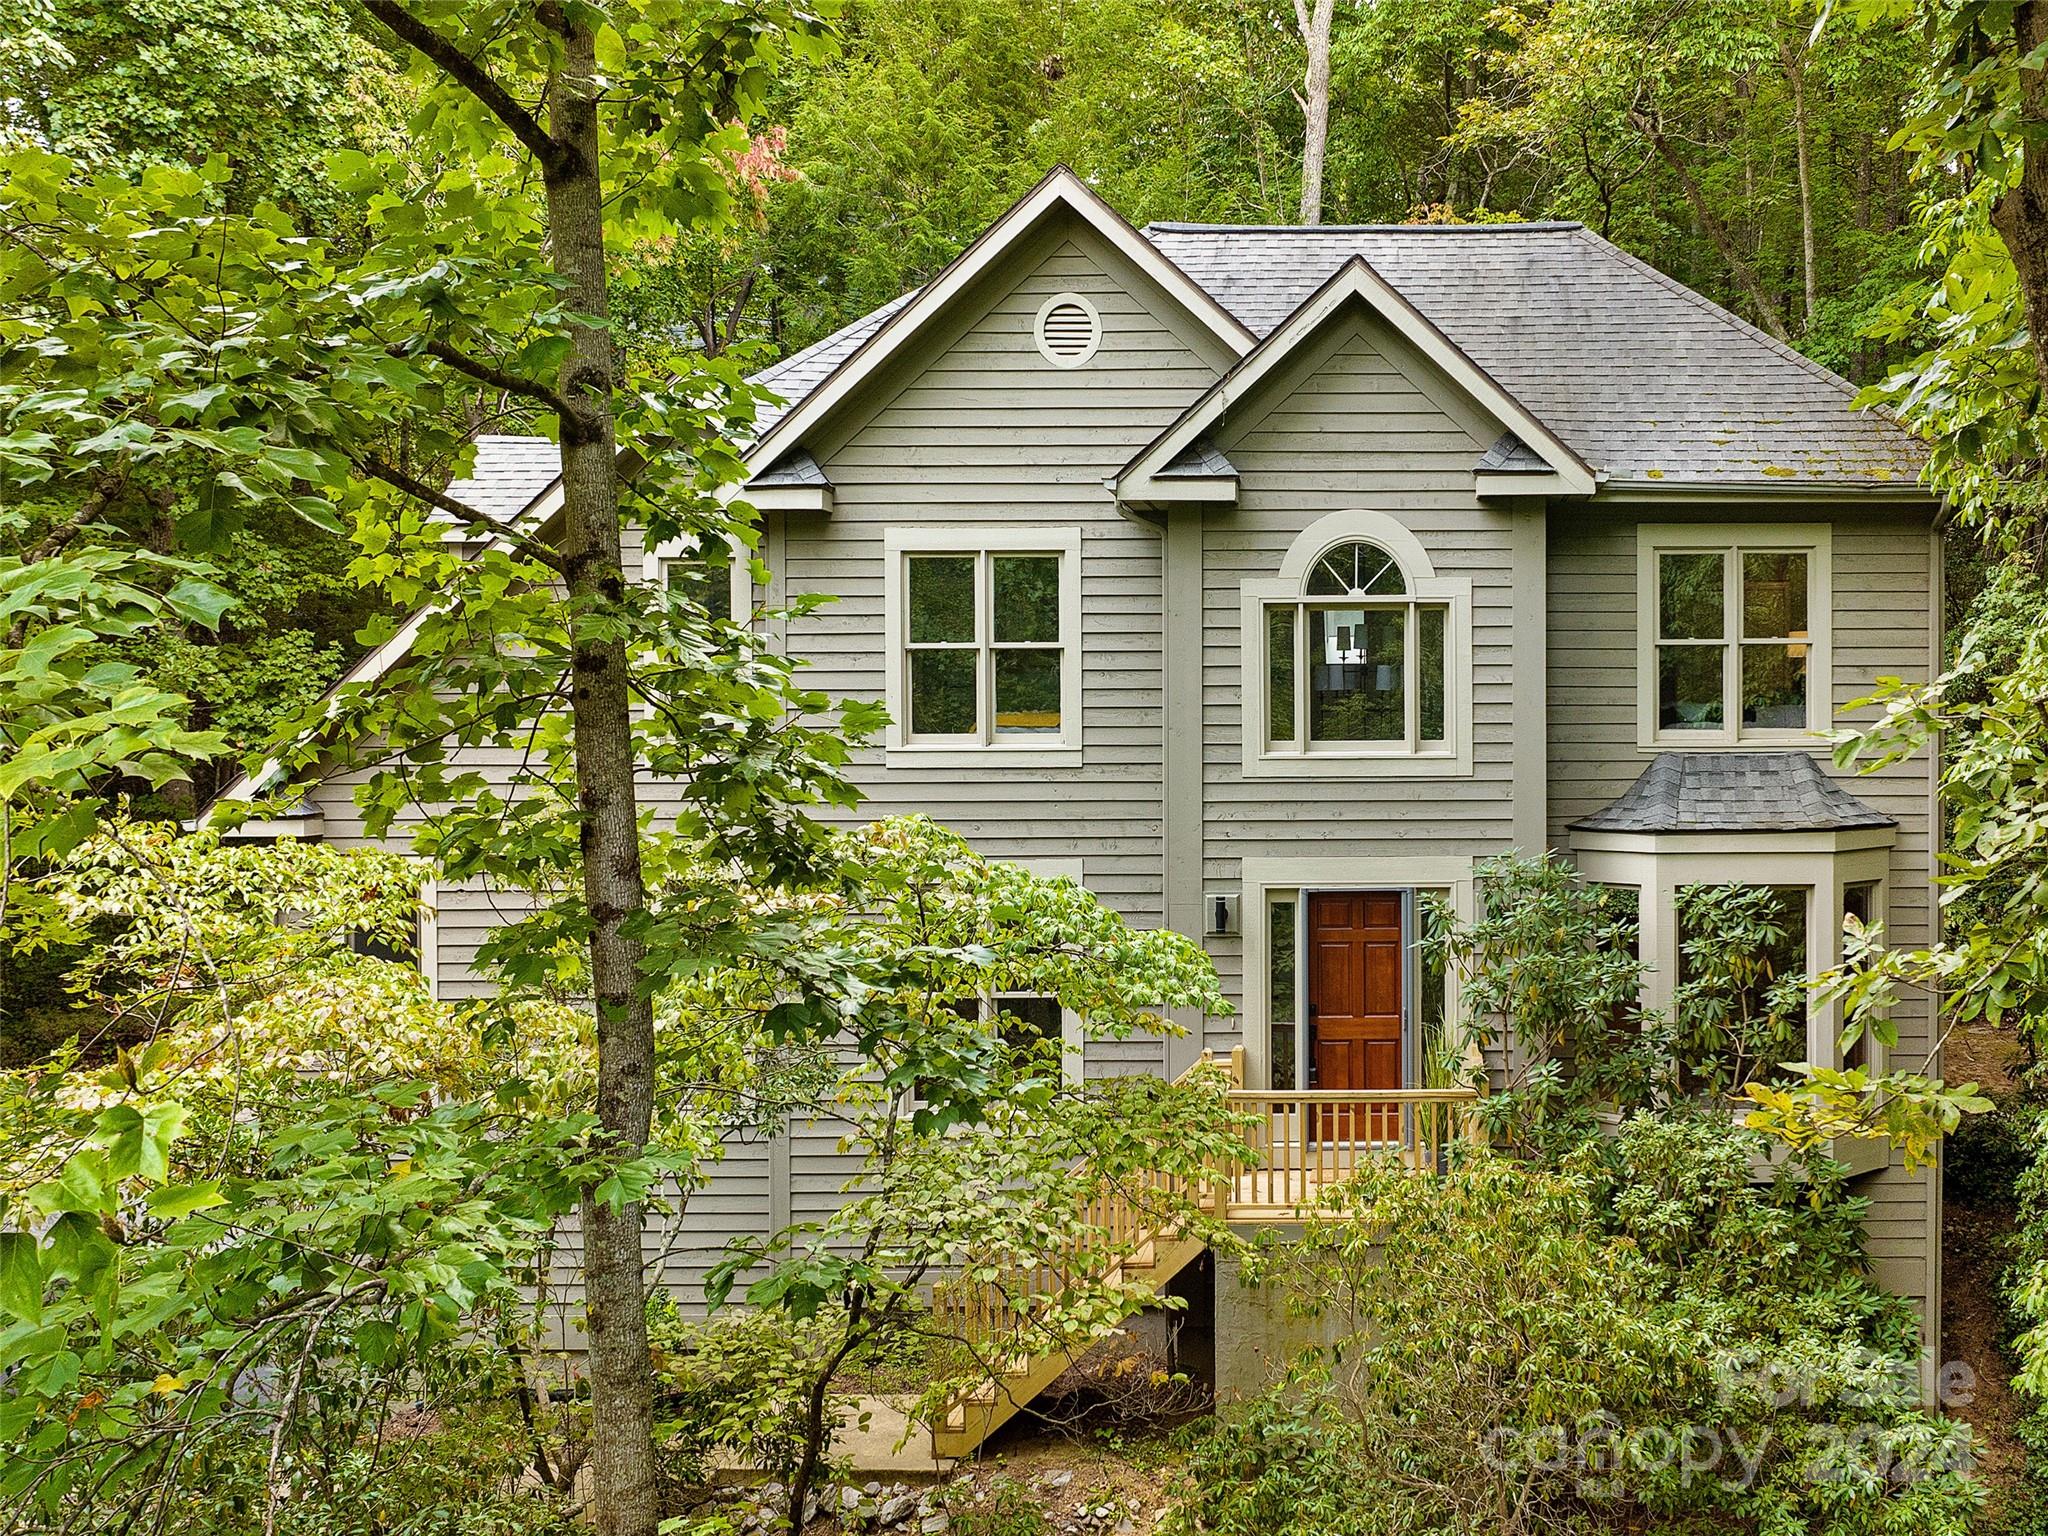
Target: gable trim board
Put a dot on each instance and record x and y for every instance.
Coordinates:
(1141, 481)
(1061, 189)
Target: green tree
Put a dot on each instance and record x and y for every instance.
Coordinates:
(985, 1161)
(271, 89)
(163, 338)
(1643, 1337)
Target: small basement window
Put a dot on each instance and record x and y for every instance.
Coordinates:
(1068, 330)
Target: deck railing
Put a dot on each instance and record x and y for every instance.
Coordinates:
(1298, 1143)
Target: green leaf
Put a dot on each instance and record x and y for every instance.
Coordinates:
(199, 602)
(21, 1277)
(175, 1200)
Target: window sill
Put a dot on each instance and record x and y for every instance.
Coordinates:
(995, 755)
(1755, 741)
(1357, 765)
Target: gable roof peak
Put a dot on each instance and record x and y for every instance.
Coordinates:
(1357, 280)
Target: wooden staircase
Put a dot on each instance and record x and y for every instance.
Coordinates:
(1289, 1158)
(996, 1321)
(1133, 1251)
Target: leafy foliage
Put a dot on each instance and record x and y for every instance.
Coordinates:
(306, 1181)
(984, 1159)
(1641, 1336)
(1551, 981)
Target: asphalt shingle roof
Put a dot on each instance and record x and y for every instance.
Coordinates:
(1733, 792)
(1509, 455)
(1199, 459)
(796, 467)
(509, 473)
(1644, 378)
(801, 372)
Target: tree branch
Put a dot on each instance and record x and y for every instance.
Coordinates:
(474, 78)
(511, 383)
(1645, 121)
(399, 480)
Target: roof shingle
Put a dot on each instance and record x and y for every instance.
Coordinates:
(1733, 792)
(1644, 378)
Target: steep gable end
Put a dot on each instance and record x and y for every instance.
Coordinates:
(1355, 287)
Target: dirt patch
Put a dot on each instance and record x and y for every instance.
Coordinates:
(1974, 1256)
(1077, 1485)
(1990, 1058)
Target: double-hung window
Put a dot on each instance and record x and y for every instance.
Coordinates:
(1734, 634)
(983, 638)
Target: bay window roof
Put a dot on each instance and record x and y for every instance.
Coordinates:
(1724, 792)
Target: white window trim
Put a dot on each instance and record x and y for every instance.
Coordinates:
(1261, 878)
(1073, 1040)
(1454, 760)
(656, 559)
(897, 545)
(1823, 864)
(1815, 540)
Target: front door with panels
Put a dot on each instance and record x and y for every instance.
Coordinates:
(1356, 961)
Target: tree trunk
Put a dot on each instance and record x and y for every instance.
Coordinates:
(621, 1387)
(2021, 215)
(1313, 17)
(1802, 134)
(1717, 233)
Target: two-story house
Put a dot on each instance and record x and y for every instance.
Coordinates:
(1265, 579)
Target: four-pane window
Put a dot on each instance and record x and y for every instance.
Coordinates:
(985, 647)
(1734, 642)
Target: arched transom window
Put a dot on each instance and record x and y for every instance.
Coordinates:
(1358, 660)
(1357, 655)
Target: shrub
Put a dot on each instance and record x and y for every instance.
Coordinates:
(1641, 1336)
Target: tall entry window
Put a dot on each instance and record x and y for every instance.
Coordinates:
(983, 629)
(1353, 998)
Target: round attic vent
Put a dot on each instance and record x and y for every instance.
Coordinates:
(1069, 330)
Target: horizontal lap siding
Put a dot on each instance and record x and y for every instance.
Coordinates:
(1883, 581)
(1358, 423)
(985, 432)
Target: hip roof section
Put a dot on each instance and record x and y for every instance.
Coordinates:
(1646, 380)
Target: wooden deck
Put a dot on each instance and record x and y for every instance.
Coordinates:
(1295, 1147)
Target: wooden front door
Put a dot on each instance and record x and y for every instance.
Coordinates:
(1355, 969)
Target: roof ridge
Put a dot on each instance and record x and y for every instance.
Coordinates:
(1510, 226)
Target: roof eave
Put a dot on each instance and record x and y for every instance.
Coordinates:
(1490, 484)
(1742, 840)
(1677, 487)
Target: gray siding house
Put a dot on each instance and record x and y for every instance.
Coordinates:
(1264, 579)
